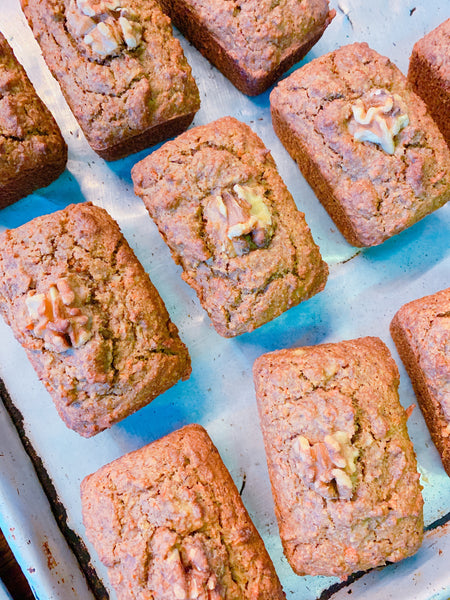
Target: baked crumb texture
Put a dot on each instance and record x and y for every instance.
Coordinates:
(253, 42)
(342, 468)
(121, 70)
(32, 149)
(364, 142)
(168, 522)
(429, 74)
(421, 332)
(230, 222)
(92, 324)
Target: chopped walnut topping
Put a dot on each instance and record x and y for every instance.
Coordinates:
(131, 32)
(191, 576)
(237, 222)
(56, 318)
(327, 466)
(378, 117)
(104, 26)
(103, 40)
(93, 8)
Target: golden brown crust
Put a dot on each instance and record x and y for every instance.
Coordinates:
(251, 43)
(429, 74)
(32, 149)
(168, 522)
(94, 327)
(421, 332)
(242, 280)
(342, 468)
(134, 87)
(372, 191)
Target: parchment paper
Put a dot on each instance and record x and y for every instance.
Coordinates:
(364, 291)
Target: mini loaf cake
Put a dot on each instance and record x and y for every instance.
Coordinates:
(32, 149)
(120, 69)
(229, 220)
(429, 74)
(421, 332)
(168, 522)
(342, 468)
(92, 324)
(253, 42)
(364, 142)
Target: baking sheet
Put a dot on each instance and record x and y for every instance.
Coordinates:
(364, 290)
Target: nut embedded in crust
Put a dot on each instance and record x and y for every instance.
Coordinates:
(103, 26)
(327, 466)
(238, 221)
(378, 117)
(56, 318)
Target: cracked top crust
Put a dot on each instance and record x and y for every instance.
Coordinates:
(91, 322)
(342, 467)
(380, 193)
(168, 522)
(118, 64)
(259, 33)
(221, 206)
(29, 135)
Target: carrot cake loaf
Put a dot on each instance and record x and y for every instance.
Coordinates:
(229, 220)
(342, 468)
(168, 522)
(364, 141)
(92, 324)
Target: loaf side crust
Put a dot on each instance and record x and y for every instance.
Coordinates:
(33, 151)
(370, 194)
(342, 468)
(177, 183)
(421, 332)
(429, 74)
(110, 347)
(168, 522)
(251, 43)
(129, 99)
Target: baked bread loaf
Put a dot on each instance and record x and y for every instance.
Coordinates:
(253, 42)
(421, 332)
(230, 222)
(92, 324)
(342, 468)
(122, 72)
(364, 142)
(32, 149)
(429, 74)
(168, 522)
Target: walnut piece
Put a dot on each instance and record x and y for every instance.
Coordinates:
(56, 318)
(184, 565)
(378, 117)
(327, 466)
(104, 26)
(238, 222)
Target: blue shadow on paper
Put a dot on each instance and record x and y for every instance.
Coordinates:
(42, 201)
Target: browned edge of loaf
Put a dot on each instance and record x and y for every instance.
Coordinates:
(427, 83)
(195, 437)
(29, 180)
(150, 137)
(207, 44)
(32, 179)
(314, 177)
(431, 410)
